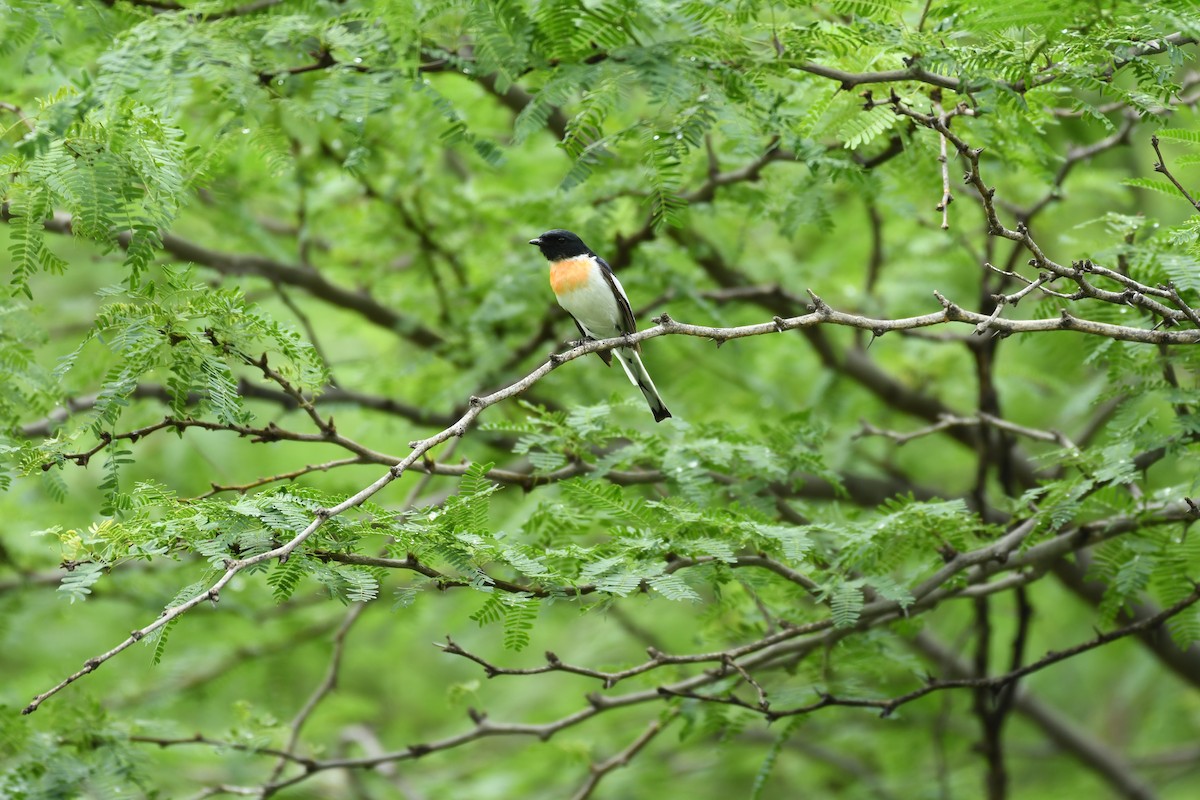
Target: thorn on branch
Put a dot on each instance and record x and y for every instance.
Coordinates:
(819, 306)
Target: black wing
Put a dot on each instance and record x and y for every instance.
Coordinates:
(605, 355)
(628, 323)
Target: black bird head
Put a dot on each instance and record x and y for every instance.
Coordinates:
(559, 244)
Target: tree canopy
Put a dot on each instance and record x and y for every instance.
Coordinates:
(299, 458)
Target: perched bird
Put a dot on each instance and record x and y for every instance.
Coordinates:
(588, 290)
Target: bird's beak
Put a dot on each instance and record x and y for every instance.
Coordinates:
(537, 242)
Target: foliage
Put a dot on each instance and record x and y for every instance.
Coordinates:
(256, 248)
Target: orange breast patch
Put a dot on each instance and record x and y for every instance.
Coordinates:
(570, 274)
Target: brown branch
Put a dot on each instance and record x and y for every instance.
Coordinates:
(1183, 662)
(758, 653)
(255, 391)
(888, 706)
(170, 6)
(821, 314)
(322, 60)
(979, 565)
(849, 80)
(1160, 166)
(947, 196)
(1135, 294)
(310, 280)
(1089, 751)
(327, 685)
(444, 581)
(913, 71)
(166, 741)
(950, 421)
(242, 488)
(704, 193)
(599, 770)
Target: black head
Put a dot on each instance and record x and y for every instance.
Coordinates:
(559, 244)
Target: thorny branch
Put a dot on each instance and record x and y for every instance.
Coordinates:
(821, 314)
(621, 759)
(981, 567)
(1160, 166)
(735, 661)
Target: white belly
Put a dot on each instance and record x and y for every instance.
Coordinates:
(594, 306)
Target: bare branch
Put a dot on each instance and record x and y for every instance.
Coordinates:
(1160, 166)
(950, 421)
(309, 280)
(327, 685)
(1090, 751)
(621, 759)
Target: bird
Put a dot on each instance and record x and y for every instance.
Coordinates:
(588, 290)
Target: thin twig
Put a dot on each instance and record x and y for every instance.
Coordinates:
(327, 685)
(621, 759)
(1160, 166)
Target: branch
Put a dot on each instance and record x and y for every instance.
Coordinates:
(887, 707)
(1135, 294)
(309, 280)
(1185, 663)
(621, 759)
(1160, 166)
(322, 60)
(1091, 752)
(983, 419)
(849, 80)
(764, 652)
(821, 315)
(283, 476)
(704, 193)
(327, 685)
(444, 581)
(915, 72)
(979, 564)
(254, 391)
(170, 6)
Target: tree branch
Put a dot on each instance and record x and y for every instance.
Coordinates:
(309, 280)
(1160, 166)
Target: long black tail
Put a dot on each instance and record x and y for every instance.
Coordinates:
(636, 371)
